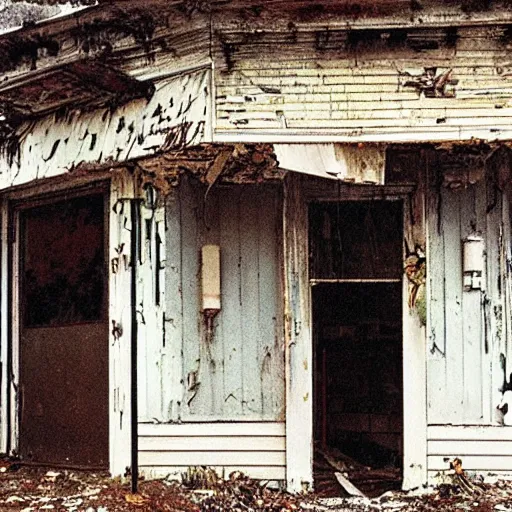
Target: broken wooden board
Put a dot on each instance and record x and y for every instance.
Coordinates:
(348, 486)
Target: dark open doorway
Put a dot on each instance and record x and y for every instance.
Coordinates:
(356, 278)
(63, 333)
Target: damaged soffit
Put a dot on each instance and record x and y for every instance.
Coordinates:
(211, 164)
(258, 163)
(82, 83)
(79, 59)
(41, 74)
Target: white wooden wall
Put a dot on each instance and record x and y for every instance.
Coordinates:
(256, 449)
(215, 402)
(482, 449)
(468, 331)
(237, 374)
(153, 368)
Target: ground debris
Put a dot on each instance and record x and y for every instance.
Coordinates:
(348, 486)
(337, 474)
(460, 478)
(33, 489)
(237, 493)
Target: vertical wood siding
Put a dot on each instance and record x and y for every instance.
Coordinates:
(467, 330)
(237, 371)
(152, 351)
(195, 389)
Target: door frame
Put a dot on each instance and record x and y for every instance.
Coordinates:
(12, 204)
(396, 281)
(299, 350)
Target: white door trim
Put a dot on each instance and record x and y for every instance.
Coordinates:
(119, 352)
(299, 367)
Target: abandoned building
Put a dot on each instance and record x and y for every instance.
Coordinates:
(251, 235)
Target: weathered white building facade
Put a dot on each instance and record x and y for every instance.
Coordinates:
(319, 150)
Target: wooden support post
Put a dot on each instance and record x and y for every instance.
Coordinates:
(298, 339)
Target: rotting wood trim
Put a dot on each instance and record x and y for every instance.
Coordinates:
(256, 163)
(96, 32)
(97, 84)
(385, 14)
(238, 164)
(360, 15)
(339, 39)
(463, 165)
(212, 163)
(111, 80)
(96, 36)
(216, 168)
(362, 9)
(19, 49)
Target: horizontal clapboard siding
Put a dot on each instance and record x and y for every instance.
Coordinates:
(484, 449)
(283, 87)
(212, 458)
(222, 444)
(257, 449)
(481, 463)
(469, 433)
(479, 448)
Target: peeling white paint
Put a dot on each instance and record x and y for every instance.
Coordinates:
(176, 116)
(122, 191)
(291, 89)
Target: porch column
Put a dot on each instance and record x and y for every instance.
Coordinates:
(298, 340)
(120, 267)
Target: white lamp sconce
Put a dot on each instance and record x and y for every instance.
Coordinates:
(473, 262)
(210, 277)
(210, 272)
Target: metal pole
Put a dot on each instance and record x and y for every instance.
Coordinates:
(134, 256)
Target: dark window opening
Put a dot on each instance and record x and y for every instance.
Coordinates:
(63, 262)
(356, 240)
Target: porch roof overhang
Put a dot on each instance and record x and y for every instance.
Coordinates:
(81, 61)
(108, 76)
(84, 83)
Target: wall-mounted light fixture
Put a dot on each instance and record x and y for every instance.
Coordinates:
(210, 277)
(474, 262)
(210, 273)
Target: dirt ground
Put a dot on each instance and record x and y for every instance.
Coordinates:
(35, 489)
